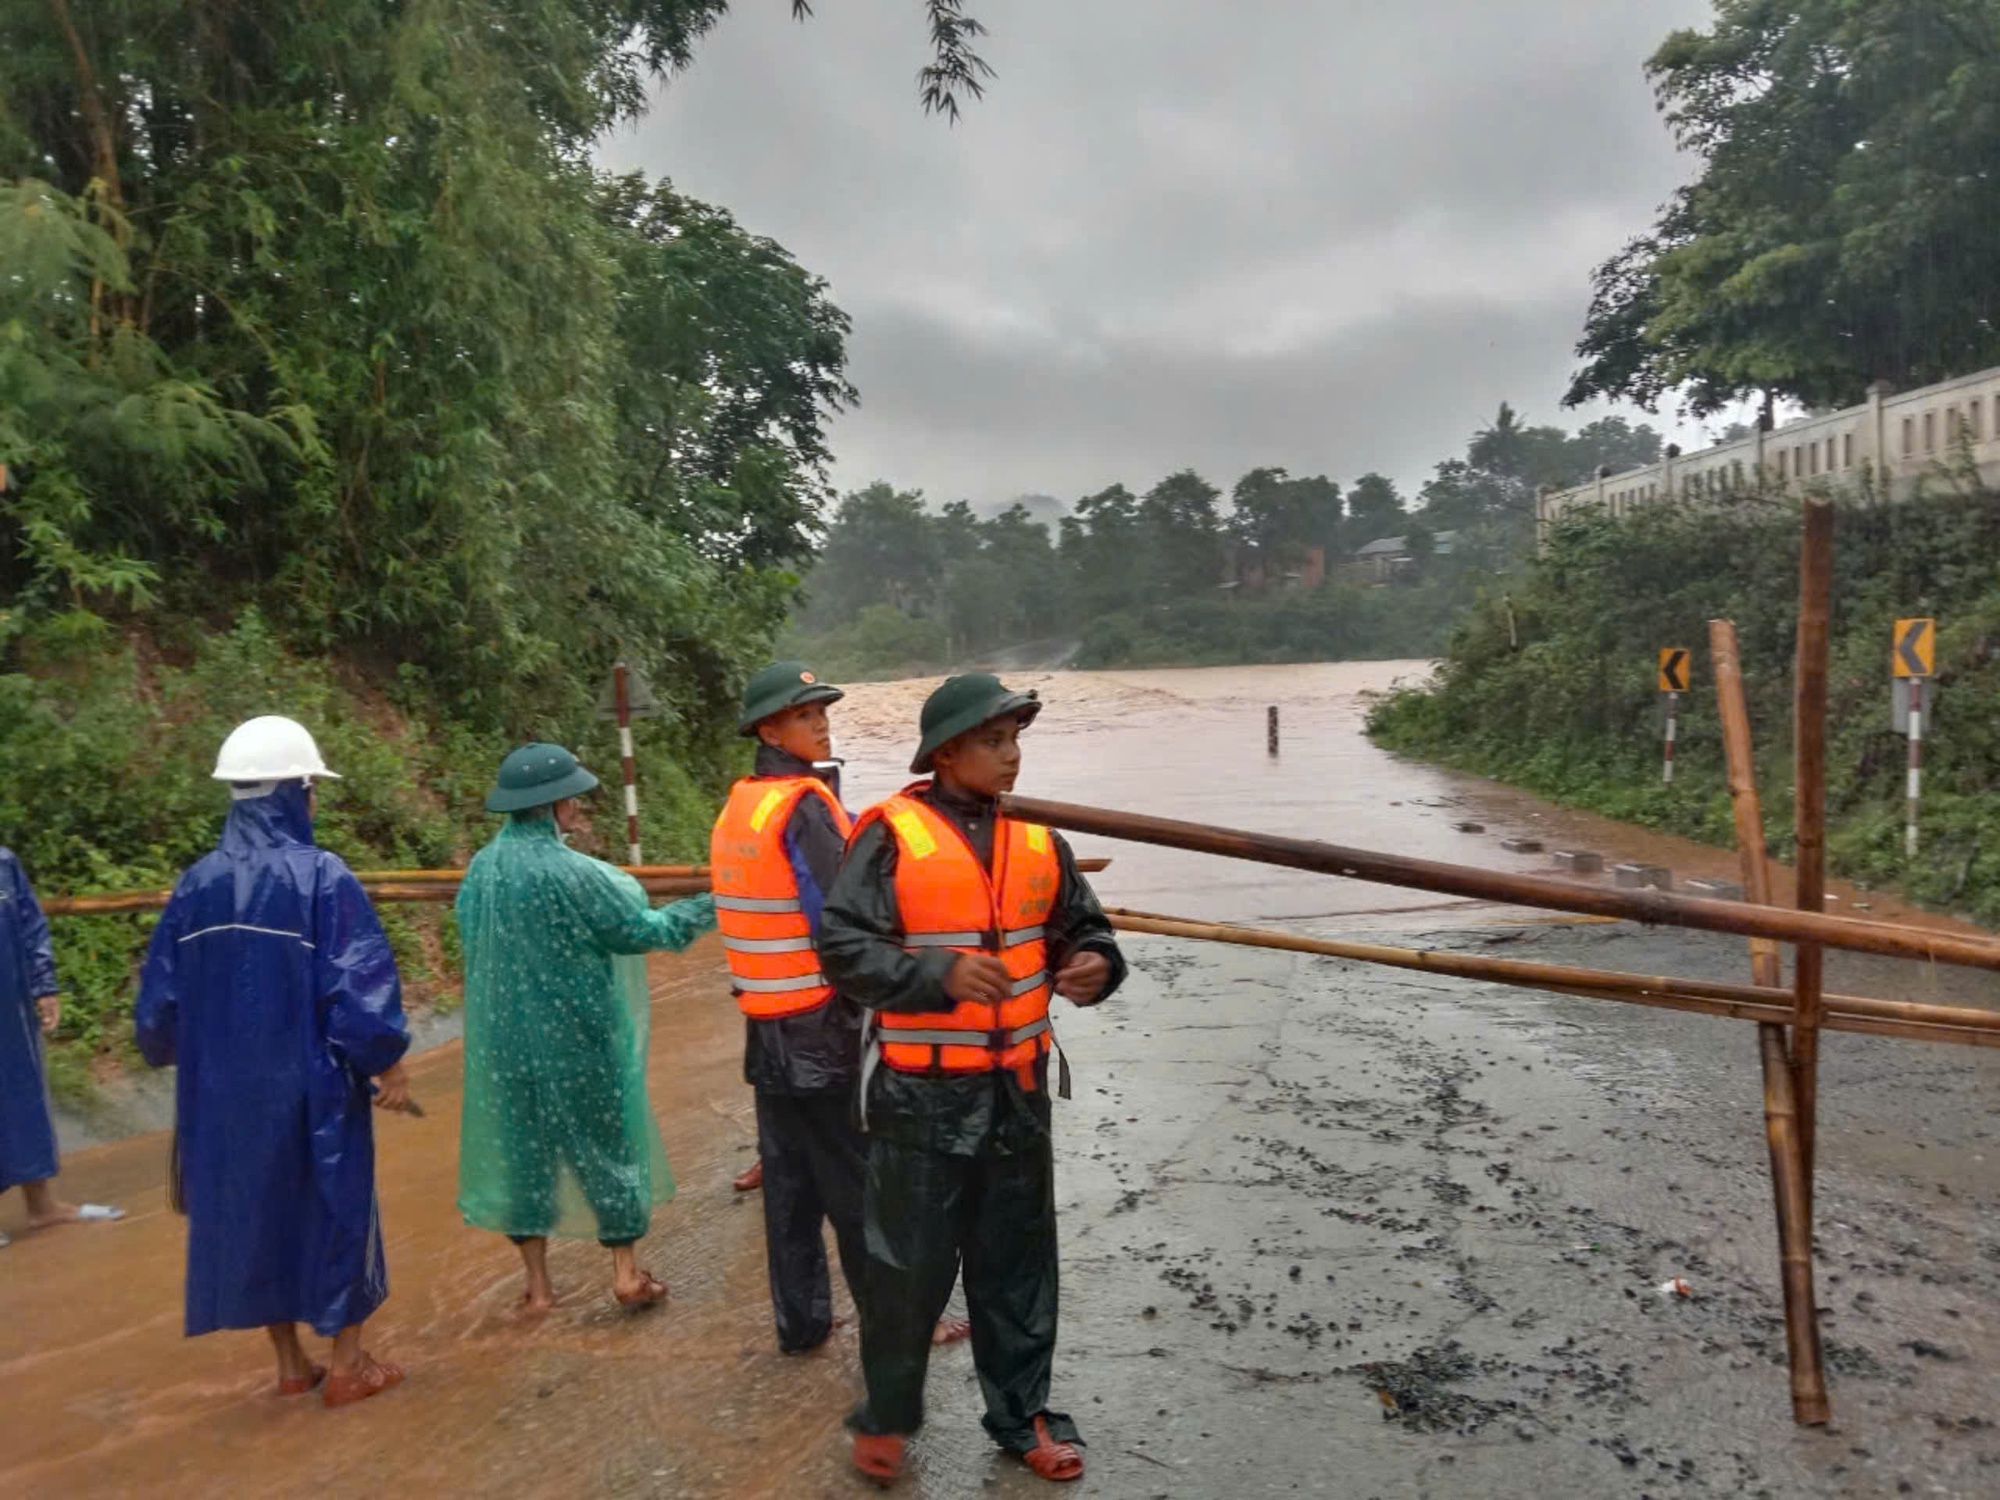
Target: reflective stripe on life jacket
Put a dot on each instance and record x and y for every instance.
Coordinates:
(948, 900)
(766, 936)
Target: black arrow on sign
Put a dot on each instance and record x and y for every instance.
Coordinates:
(1914, 664)
(1674, 671)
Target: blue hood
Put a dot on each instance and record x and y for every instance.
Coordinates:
(269, 822)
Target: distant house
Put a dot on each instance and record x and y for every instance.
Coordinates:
(1244, 568)
(1388, 557)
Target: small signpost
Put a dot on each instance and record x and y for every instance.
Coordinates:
(627, 697)
(1673, 682)
(1913, 659)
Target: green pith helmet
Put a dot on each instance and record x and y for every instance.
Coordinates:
(964, 703)
(782, 685)
(536, 775)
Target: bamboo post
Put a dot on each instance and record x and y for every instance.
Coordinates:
(1790, 1186)
(1507, 887)
(1809, 812)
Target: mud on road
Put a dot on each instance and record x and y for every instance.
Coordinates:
(1336, 1229)
(1327, 1229)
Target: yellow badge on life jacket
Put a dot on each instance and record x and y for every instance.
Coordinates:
(1038, 838)
(772, 800)
(916, 839)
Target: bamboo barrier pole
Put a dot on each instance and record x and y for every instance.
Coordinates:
(637, 872)
(1790, 1174)
(1650, 906)
(1961, 1025)
(1809, 809)
(417, 886)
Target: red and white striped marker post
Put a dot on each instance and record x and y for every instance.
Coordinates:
(1673, 720)
(1913, 657)
(1916, 765)
(622, 699)
(1673, 682)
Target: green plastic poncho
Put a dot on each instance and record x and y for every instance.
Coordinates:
(557, 1135)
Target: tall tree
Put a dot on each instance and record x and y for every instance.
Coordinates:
(386, 355)
(1840, 229)
(1101, 551)
(882, 547)
(1183, 534)
(1374, 510)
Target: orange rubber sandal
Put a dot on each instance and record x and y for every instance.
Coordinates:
(879, 1456)
(1049, 1459)
(371, 1379)
(297, 1385)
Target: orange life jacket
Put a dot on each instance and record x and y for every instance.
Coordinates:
(766, 935)
(947, 899)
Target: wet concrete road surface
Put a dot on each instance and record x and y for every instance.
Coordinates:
(1327, 1229)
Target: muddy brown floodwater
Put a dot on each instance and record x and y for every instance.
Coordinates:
(1327, 1229)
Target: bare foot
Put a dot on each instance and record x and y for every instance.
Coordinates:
(53, 1213)
(643, 1290)
(950, 1331)
(535, 1303)
(50, 1212)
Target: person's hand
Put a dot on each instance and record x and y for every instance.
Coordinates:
(51, 1008)
(978, 976)
(1082, 977)
(392, 1088)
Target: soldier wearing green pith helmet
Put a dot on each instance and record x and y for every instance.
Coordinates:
(954, 926)
(773, 856)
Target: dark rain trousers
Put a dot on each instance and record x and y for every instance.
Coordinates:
(813, 1160)
(927, 1214)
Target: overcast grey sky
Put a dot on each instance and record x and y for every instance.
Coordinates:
(1327, 234)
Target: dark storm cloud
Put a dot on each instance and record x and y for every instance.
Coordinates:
(1217, 232)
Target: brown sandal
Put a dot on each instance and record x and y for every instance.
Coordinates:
(752, 1179)
(879, 1456)
(1049, 1459)
(298, 1385)
(652, 1291)
(371, 1379)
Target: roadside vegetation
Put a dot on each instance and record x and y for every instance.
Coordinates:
(337, 380)
(1554, 688)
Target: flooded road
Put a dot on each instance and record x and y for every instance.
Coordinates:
(1327, 1229)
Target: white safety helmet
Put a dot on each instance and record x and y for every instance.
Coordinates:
(270, 748)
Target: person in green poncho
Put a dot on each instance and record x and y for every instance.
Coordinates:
(557, 1136)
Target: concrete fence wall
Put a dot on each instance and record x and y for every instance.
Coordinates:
(1899, 439)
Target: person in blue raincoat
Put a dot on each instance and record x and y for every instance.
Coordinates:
(270, 985)
(30, 1007)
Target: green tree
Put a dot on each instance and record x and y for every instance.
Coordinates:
(1099, 548)
(1421, 544)
(1613, 442)
(1838, 231)
(1374, 510)
(881, 548)
(1182, 533)
(733, 357)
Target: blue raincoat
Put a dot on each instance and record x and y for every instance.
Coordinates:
(270, 984)
(27, 972)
